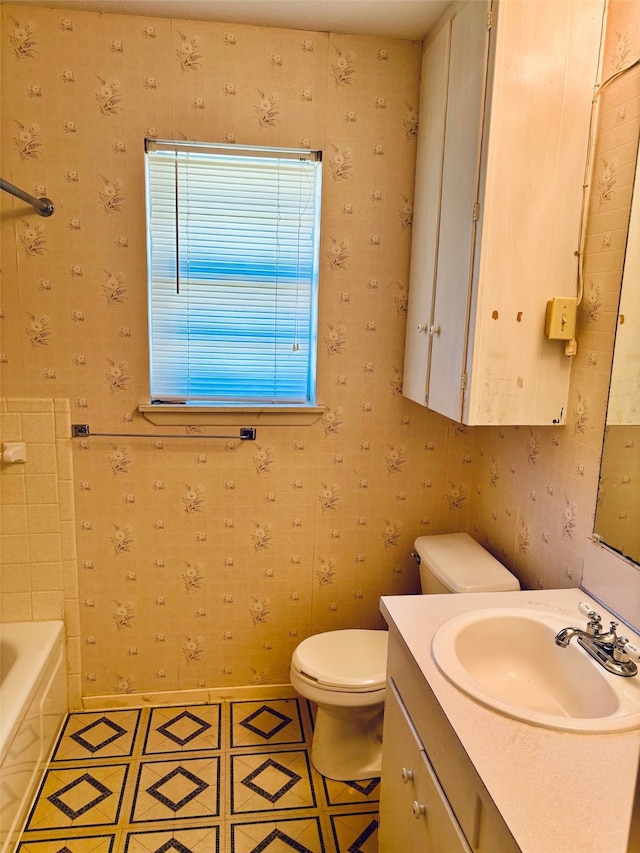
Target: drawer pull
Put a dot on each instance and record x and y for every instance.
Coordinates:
(419, 809)
(407, 775)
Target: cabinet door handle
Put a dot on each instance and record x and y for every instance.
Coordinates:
(434, 330)
(423, 327)
(419, 809)
(407, 775)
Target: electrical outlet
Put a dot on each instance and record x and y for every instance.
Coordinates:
(560, 319)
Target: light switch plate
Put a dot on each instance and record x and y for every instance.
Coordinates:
(560, 319)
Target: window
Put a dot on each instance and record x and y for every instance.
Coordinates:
(233, 246)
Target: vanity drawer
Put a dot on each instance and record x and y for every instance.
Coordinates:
(415, 814)
(476, 812)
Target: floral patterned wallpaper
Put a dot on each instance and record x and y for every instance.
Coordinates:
(202, 563)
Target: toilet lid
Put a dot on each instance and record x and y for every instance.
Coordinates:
(355, 657)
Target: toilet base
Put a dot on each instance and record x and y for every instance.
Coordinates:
(347, 742)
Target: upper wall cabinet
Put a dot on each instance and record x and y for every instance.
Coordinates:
(504, 126)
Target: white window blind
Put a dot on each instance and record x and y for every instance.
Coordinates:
(233, 246)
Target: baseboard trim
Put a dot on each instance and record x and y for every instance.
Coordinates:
(189, 697)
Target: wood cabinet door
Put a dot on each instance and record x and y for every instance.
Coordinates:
(414, 812)
(426, 216)
(460, 179)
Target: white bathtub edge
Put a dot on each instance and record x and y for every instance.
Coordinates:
(38, 679)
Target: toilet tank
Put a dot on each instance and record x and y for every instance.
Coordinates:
(455, 562)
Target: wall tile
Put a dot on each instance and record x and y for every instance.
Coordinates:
(46, 605)
(14, 519)
(15, 549)
(43, 518)
(10, 427)
(37, 428)
(12, 487)
(41, 488)
(33, 529)
(15, 577)
(16, 607)
(44, 547)
(46, 577)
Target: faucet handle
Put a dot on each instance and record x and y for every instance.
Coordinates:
(595, 620)
(620, 652)
(585, 608)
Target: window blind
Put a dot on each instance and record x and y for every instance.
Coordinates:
(233, 256)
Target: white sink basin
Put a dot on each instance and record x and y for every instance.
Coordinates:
(507, 659)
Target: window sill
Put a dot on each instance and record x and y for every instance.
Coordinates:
(181, 415)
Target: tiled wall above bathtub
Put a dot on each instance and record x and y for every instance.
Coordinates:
(38, 574)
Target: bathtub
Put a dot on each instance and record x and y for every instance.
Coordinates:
(33, 699)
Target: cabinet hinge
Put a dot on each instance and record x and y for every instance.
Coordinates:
(463, 381)
(476, 212)
(489, 19)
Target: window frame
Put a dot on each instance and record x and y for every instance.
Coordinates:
(222, 411)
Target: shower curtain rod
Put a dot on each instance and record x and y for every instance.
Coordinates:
(43, 206)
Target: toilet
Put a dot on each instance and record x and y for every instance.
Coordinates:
(344, 672)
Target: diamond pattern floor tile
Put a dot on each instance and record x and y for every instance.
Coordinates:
(79, 797)
(299, 836)
(271, 781)
(227, 777)
(357, 833)
(277, 721)
(187, 729)
(167, 790)
(107, 734)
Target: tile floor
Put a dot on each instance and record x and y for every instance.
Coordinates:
(232, 777)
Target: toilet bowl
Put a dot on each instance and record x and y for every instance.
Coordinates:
(344, 672)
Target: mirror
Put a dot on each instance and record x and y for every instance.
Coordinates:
(618, 507)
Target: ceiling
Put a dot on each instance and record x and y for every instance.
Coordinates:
(408, 19)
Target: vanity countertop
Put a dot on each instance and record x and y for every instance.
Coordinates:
(555, 790)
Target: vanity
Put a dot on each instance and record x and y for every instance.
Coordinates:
(459, 776)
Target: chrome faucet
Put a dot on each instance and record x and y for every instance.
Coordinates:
(611, 652)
